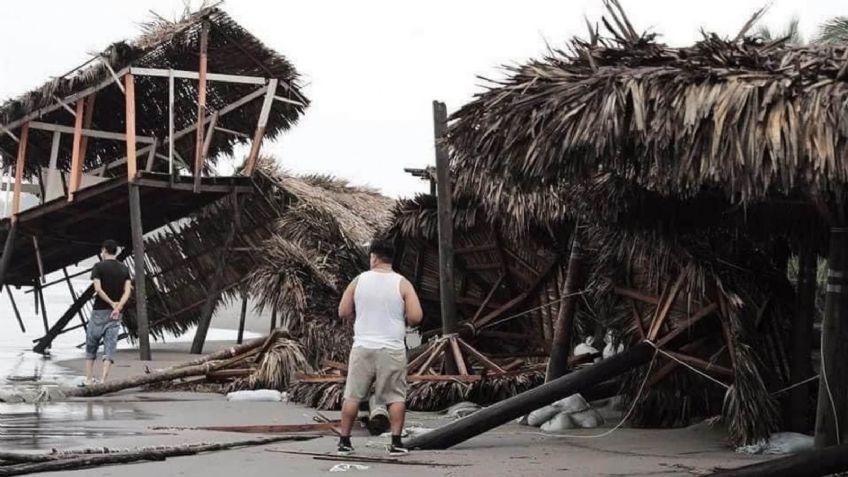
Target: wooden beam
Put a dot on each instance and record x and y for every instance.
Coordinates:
(87, 119)
(87, 133)
(194, 75)
(636, 295)
(563, 327)
(663, 311)
(255, 146)
(457, 356)
(15, 309)
(140, 283)
(38, 260)
(201, 106)
(171, 137)
(52, 168)
(19, 171)
(480, 357)
(151, 156)
(132, 166)
(447, 292)
(76, 160)
(210, 132)
(488, 298)
(242, 317)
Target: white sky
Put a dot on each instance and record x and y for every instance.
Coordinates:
(373, 66)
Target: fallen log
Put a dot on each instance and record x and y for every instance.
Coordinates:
(260, 428)
(509, 409)
(143, 380)
(814, 463)
(96, 460)
(223, 354)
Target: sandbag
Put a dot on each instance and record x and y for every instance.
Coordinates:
(559, 423)
(573, 403)
(258, 395)
(542, 415)
(587, 419)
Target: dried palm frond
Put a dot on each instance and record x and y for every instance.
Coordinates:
(277, 368)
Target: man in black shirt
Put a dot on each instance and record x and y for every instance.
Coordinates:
(112, 286)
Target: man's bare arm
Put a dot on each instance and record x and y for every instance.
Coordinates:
(412, 306)
(346, 305)
(125, 297)
(98, 289)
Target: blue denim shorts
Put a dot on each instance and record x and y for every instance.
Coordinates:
(101, 327)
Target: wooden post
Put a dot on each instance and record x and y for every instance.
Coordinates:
(561, 344)
(256, 145)
(802, 340)
(509, 409)
(52, 168)
(74, 295)
(39, 292)
(8, 248)
(832, 427)
(15, 309)
(19, 171)
(201, 106)
(447, 291)
(242, 317)
(214, 289)
(76, 159)
(87, 119)
(273, 319)
(129, 99)
(171, 123)
(137, 227)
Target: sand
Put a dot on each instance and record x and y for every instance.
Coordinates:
(126, 420)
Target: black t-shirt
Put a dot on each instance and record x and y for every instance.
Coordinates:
(113, 275)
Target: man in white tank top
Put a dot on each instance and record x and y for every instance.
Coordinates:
(382, 303)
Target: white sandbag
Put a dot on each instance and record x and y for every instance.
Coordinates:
(559, 423)
(256, 395)
(541, 416)
(522, 421)
(573, 403)
(587, 419)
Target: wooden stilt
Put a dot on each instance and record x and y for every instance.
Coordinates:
(8, 248)
(561, 345)
(74, 296)
(15, 309)
(139, 278)
(76, 159)
(199, 158)
(832, 414)
(129, 96)
(242, 318)
(802, 340)
(447, 291)
(40, 293)
(214, 291)
(19, 171)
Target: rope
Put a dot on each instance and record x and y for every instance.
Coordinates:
(687, 365)
(531, 310)
(829, 393)
(629, 411)
(793, 386)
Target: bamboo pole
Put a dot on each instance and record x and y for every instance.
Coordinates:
(132, 163)
(561, 345)
(832, 413)
(199, 158)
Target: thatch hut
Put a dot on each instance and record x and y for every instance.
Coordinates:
(693, 172)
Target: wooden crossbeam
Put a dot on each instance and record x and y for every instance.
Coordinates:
(255, 146)
(194, 75)
(663, 311)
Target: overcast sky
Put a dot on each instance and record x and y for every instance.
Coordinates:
(372, 66)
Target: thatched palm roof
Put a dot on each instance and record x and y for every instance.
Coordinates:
(165, 45)
(746, 118)
(301, 240)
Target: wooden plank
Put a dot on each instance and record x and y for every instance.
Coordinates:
(76, 159)
(438, 349)
(210, 132)
(250, 163)
(87, 133)
(201, 106)
(488, 298)
(447, 291)
(132, 166)
(698, 316)
(151, 156)
(481, 357)
(140, 283)
(215, 77)
(663, 311)
(52, 169)
(19, 170)
(329, 363)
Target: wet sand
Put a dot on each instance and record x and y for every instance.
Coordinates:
(126, 420)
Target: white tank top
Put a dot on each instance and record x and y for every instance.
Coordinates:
(380, 320)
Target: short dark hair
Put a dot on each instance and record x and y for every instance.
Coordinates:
(110, 246)
(383, 249)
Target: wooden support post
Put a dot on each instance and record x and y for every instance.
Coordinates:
(74, 296)
(214, 289)
(802, 340)
(561, 344)
(19, 171)
(250, 164)
(832, 414)
(15, 309)
(137, 227)
(447, 291)
(129, 99)
(52, 168)
(76, 159)
(510, 409)
(201, 106)
(87, 119)
(39, 292)
(8, 248)
(38, 260)
(242, 317)
(171, 123)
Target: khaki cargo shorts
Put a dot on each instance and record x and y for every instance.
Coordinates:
(384, 368)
